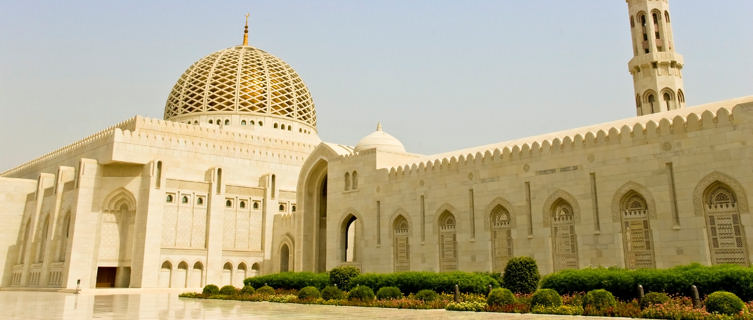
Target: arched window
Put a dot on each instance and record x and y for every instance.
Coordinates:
(43, 239)
(197, 275)
(282, 126)
(448, 251)
(725, 232)
(252, 122)
(666, 16)
(636, 232)
(565, 242)
(228, 203)
(218, 122)
(354, 176)
(680, 97)
(181, 275)
(210, 121)
(282, 207)
(401, 250)
(227, 122)
(256, 205)
(668, 100)
(255, 268)
(638, 105)
(501, 245)
(349, 237)
(200, 201)
(227, 274)
(240, 274)
(184, 199)
(651, 101)
(284, 258)
(242, 204)
(261, 123)
(65, 235)
(632, 22)
(169, 198)
(243, 122)
(275, 125)
(165, 274)
(347, 181)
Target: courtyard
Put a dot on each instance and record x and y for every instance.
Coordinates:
(108, 304)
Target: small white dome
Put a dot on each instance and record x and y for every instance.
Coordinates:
(381, 141)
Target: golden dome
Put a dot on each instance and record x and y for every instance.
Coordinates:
(241, 80)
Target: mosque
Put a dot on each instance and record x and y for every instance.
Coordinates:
(234, 182)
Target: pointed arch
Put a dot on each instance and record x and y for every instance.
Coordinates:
(181, 276)
(240, 274)
(117, 198)
(448, 251)
(350, 233)
(500, 221)
(196, 279)
(401, 243)
(637, 238)
(617, 198)
(722, 200)
(562, 212)
(227, 273)
(286, 248)
(165, 274)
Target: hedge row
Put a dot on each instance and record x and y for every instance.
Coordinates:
(290, 280)
(412, 282)
(674, 281)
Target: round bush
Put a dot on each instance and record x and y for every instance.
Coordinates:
(210, 289)
(362, 293)
(309, 292)
(599, 299)
(427, 295)
(265, 291)
(340, 276)
(653, 298)
(228, 290)
(521, 275)
(546, 298)
(500, 297)
(724, 302)
(332, 293)
(389, 293)
(248, 290)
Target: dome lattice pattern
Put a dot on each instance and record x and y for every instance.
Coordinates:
(241, 79)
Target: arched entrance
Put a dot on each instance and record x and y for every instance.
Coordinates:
(349, 239)
(284, 258)
(115, 240)
(314, 242)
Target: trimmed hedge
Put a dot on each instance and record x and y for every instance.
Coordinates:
(521, 275)
(309, 292)
(210, 289)
(228, 290)
(674, 281)
(249, 290)
(265, 291)
(546, 298)
(500, 297)
(341, 276)
(289, 280)
(361, 293)
(389, 293)
(427, 295)
(599, 299)
(653, 298)
(332, 293)
(724, 302)
(412, 282)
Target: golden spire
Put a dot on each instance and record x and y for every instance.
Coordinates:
(245, 32)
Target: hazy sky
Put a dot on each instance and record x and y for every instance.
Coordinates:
(441, 75)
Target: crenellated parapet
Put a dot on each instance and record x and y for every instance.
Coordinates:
(648, 129)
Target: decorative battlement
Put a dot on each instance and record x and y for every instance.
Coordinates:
(650, 127)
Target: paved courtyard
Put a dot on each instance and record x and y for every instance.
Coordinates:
(47, 305)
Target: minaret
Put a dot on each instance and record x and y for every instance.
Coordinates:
(656, 67)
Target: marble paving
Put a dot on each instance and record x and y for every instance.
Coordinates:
(48, 305)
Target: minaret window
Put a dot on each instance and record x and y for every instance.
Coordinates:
(667, 100)
(651, 100)
(638, 105)
(347, 181)
(632, 22)
(666, 16)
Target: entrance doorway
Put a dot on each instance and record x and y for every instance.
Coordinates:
(106, 277)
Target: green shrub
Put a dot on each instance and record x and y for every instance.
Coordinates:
(265, 291)
(599, 299)
(412, 282)
(466, 306)
(653, 298)
(521, 275)
(500, 297)
(289, 280)
(389, 293)
(427, 295)
(362, 293)
(228, 290)
(674, 281)
(332, 293)
(210, 289)
(562, 310)
(546, 298)
(341, 276)
(249, 290)
(724, 302)
(309, 292)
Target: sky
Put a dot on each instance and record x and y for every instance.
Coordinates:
(440, 75)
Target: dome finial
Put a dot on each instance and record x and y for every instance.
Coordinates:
(379, 126)
(245, 32)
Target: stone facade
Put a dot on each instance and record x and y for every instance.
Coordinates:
(235, 182)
